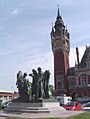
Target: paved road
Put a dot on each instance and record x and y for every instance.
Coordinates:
(54, 113)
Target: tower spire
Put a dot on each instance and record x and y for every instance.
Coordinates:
(58, 13)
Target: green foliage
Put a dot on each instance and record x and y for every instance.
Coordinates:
(0, 104)
(81, 116)
(30, 88)
(74, 95)
(14, 118)
(51, 89)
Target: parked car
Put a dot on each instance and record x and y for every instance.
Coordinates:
(83, 100)
(86, 107)
(5, 104)
(73, 106)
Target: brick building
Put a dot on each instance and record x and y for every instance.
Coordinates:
(74, 81)
(8, 95)
(79, 76)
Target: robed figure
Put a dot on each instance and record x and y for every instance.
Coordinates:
(22, 85)
(46, 77)
(34, 93)
(40, 90)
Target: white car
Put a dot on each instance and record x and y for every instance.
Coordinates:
(86, 107)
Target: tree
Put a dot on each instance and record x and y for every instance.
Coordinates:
(51, 89)
(0, 104)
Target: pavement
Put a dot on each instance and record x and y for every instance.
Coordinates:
(2, 117)
(54, 113)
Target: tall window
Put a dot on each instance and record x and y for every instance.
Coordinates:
(59, 79)
(84, 80)
(60, 85)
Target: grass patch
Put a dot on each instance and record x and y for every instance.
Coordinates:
(85, 115)
(15, 118)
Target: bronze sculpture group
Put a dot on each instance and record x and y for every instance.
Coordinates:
(39, 87)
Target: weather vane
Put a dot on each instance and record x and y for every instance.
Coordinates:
(58, 5)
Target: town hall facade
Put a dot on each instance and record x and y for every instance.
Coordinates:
(68, 80)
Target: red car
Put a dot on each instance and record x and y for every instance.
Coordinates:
(73, 106)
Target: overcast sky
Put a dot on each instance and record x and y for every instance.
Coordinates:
(25, 27)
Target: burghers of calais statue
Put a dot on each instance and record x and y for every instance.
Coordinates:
(40, 84)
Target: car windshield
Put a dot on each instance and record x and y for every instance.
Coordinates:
(70, 104)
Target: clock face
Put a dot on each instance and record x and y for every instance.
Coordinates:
(57, 43)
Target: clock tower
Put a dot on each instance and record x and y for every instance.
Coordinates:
(60, 40)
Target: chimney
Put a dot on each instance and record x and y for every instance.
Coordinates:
(77, 54)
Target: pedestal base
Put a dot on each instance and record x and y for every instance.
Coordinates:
(33, 107)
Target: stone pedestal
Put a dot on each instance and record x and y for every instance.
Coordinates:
(44, 106)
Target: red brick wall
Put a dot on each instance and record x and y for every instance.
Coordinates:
(89, 79)
(61, 64)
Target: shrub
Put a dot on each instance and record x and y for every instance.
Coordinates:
(0, 104)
